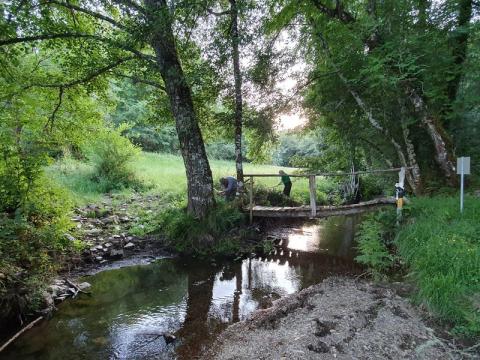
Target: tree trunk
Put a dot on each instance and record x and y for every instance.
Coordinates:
(238, 89)
(412, 156)
(199, 175)
(442, 156)
(460, 44)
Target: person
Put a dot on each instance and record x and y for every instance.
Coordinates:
(287, 183)
(230, 187)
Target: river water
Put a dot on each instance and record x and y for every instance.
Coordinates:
(132, 306)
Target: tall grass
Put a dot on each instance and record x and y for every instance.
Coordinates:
(441, 248)
(165, 174)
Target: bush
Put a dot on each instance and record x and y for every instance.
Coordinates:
(112, 156)
(207, 237)
(32, 244)
(374, 243)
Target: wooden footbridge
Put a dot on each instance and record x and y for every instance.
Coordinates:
(312, 210)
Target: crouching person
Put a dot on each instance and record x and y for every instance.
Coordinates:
(230, 187)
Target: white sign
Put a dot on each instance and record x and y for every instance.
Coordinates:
(463, 165)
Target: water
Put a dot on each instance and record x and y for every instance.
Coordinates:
(131, 307)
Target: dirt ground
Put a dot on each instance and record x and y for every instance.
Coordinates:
(340, 318)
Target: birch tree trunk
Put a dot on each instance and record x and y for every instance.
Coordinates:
(442, 155)
(238, 89)
(199, 175)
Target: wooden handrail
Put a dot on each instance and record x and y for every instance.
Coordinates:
(329, 174)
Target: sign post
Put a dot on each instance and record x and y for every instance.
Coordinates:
(463, 168)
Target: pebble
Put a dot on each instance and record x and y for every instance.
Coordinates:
(130, 245)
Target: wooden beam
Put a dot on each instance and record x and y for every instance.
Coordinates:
(313, 196)
(331, 173)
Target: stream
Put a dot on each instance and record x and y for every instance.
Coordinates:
(131, 307)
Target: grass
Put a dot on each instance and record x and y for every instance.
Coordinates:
(441, 248)
(165, 174)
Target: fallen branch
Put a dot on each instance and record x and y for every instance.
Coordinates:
(76, 287)
(12, 339)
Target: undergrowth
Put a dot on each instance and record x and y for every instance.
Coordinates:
(213, 236)
(440, 249)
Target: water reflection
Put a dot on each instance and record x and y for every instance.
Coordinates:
(133, 306)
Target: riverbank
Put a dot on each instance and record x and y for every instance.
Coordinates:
(341, 318)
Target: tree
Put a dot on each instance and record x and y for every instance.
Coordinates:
(398, 64)
(116, 38)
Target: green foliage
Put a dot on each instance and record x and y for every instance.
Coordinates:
(294, 149)
(112, 156)
(210, 236)
(32, 242)
(441, 248)
(164, 140)
(373, 244)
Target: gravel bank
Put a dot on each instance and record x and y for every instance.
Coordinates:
(340, 318)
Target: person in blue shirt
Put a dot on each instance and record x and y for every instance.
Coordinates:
(230, 187)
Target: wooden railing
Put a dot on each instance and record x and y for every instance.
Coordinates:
(312, 183)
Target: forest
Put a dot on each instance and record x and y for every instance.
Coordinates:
(122, 120)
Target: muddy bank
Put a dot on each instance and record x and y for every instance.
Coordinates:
(341, 318)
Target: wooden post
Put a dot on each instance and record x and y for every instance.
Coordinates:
(313, 196)
(251, 199)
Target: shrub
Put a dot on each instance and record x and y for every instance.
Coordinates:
(32, 243)
(372, 244)
(112, 156)
(210, 236)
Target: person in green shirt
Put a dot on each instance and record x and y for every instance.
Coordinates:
(287, 183)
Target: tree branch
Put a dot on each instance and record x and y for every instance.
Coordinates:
(222, 13)
(51, 120)
(87, 78)
(131, 4)
(136, 79)
(85, 11)
(339, 12)
(42, 37)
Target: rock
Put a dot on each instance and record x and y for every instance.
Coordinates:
(116, 254)
(99, 258)
(108, 244)
(55, 290)
(169, 338)
(99, 247)
(76, 218)
(111, 220)
(93, 232)
(2, 276)
(116, 236)
(130, 245)
(124, 219)
(69, 237)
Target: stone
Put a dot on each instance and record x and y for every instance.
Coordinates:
(108, 244)
(69, 237)
(124, 219)
(99, 258)
(130, 245)
(116, 253)
(169, 338)
(113, 219)
(93, 232)
(99, 247)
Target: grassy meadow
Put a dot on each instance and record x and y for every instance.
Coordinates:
(165, 174)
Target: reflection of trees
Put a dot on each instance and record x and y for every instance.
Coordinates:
(238, 292)
(196, 326)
